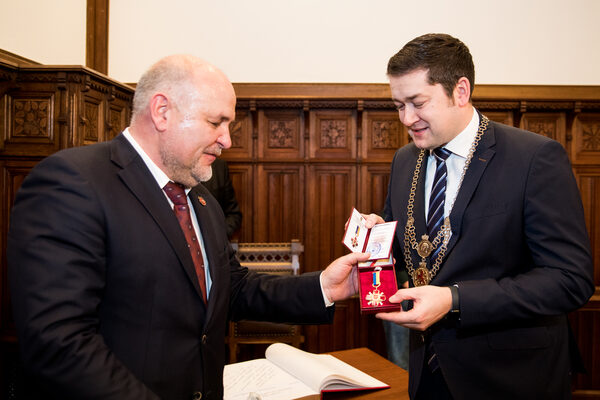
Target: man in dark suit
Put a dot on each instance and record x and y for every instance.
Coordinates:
(109, 301)
(221, 187)
(492, 234)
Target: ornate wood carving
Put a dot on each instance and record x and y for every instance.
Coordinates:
(550, 124)
(90, 122)
(332, 134)
(279, 134)
(31, 118)
(586, 143)
(383, 134)
(282, 134)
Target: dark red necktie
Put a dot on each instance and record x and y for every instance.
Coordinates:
(176, 193)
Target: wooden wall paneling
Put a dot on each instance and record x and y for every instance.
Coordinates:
(586, 139)
(91, 118)
(504, 117)
(281, 134)
(332, 193)
(333, 134)
(586, 328)
(585, 322)
(279, 203)
(42, 109)
(588, 180)
(242, 178)
(374, 181)
(13, 172)
(241, 131)
(382, 135)
(549, 124)
(32, 112)
(117, 118)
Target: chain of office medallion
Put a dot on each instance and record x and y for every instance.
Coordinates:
(410, 240)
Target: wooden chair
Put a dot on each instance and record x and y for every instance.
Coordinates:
(272, 258)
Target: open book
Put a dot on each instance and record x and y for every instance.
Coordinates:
(289, 373)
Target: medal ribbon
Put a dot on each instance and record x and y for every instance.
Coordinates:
(376, 277)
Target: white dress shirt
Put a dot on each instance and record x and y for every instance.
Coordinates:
(161, 180)
(459, 146)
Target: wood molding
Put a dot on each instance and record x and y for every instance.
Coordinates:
(15, 59)
(96, 49)
(379, 91)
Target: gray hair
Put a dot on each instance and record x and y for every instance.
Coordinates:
(173, 75)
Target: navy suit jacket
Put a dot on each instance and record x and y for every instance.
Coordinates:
(521, 257)
(106, 301)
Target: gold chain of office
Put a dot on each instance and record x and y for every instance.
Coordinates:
(422, 276)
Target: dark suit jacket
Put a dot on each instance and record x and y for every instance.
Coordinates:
(521, 256)
(221, 188)
(106, 301)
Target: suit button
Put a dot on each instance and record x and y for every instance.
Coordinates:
(204, 339)
(197, 396)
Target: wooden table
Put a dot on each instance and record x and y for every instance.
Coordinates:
(376, 366)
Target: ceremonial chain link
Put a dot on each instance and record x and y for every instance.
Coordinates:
(425, 247)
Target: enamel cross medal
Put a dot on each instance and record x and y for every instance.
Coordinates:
(375, 298)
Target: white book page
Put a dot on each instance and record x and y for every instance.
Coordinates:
(343, 375)
(317, 369)
(263, 378)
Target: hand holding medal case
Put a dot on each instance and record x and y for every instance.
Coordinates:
(377, 278)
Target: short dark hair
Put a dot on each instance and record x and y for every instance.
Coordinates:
(446, 58)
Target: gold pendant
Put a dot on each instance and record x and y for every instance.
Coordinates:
(375, 298)
(425, 247)
(421, 276)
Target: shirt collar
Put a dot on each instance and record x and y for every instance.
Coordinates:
(161, 178)
(461, 144)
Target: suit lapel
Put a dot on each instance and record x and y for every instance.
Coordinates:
(481, 158)
(136, 176)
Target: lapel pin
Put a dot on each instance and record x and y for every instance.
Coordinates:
(201, 200)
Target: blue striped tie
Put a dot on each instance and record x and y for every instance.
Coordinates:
(435, 219)
(435, 215)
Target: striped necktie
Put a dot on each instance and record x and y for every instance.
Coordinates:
(435, 215)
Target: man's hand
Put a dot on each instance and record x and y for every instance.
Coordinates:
(340, 278)
(372, 220)
(430, 304)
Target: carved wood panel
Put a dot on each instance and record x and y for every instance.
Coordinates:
(332, 134)
(280, 134)
(118, 119)
(91, 120)
(586, 143)
(30, 121)
(241, 134)
(504, 117)
(382, 135)
(552, 125)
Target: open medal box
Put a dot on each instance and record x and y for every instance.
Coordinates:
(377, 277)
